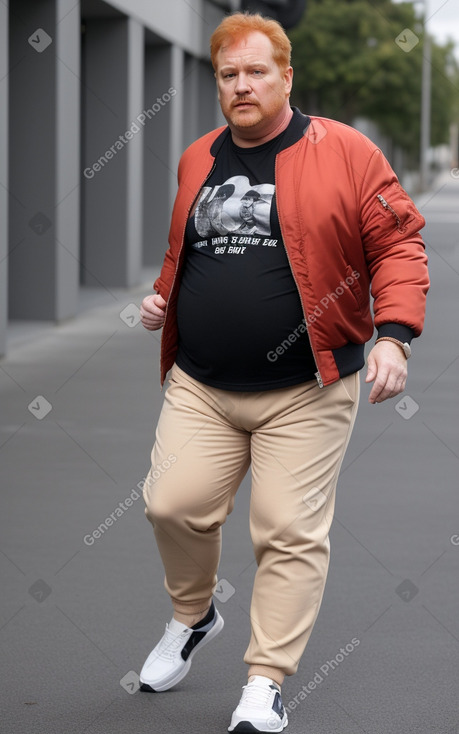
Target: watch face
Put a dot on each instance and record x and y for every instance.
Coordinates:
(407, 350)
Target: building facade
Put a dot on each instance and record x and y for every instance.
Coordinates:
(97, 102)
(98, 99)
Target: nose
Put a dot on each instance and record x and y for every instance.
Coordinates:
(242, 84)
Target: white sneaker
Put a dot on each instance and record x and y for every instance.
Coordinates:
(260, 707)
(169, 662)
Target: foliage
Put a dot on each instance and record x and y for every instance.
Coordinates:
(347, 63)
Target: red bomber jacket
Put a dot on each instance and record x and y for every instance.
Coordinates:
(348, 227)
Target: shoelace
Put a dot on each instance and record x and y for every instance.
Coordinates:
(256, 695)
(171, 643)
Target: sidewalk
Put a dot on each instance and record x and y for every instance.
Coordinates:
(83, 599)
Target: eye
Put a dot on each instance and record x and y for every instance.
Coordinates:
(228, 75)
(257, 72)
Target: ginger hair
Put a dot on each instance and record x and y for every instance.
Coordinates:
(238, 25)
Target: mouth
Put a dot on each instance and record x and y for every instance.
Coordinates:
(243, 104)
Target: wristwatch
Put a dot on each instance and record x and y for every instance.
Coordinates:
(403, 345)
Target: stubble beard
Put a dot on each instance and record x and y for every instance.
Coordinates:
(247, 120)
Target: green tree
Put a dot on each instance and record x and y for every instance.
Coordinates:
(347, 63)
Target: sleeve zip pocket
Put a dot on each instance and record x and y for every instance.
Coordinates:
(388, 207)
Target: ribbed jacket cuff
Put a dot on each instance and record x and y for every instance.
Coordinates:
(397, 331)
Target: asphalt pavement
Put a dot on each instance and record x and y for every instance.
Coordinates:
(83, 599)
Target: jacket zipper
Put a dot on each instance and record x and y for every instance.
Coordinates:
(178, 260)
(392, 211)
(316, 374)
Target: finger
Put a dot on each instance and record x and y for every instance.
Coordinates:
(371, 372)
(370, 376)
(152, 326)
(151, 312)
(156, 318)
(395, 384)
(148, 318)
(147, 303)
(374, 394)
(389, 389)
(151, 302)
(159, 300)
(384, 394)
(152, 323)
(379, 385)
(399, 387)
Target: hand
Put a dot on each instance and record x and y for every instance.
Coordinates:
(387, 367)
(153, 312)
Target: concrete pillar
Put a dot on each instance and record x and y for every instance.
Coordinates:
(199, 91)
(163, 145)
(208, 120)
(44, 158)
(191, 100)
(67, 168)
(157, 153)
(135, 179)
(190, 113)
(4, 183)
(177, 114)
(112, 183)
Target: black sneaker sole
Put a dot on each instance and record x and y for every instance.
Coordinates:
(246, 727)
(146, 687)
(210, 635)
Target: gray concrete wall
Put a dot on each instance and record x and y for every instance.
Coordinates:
(135, 153)
(64, 112)
(199, 93)
(32, 271)
(67, 144)
(157, 167)
(4, 183)
(164, 144)
(186, 24)
(208, 97)
(189, 114)
(177, 116)
(44, 141)
(112, 153)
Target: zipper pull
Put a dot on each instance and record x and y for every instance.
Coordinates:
(388, 207)
(319, 379)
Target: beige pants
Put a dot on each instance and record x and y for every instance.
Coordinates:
(295, 438)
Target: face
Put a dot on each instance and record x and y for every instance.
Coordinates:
(246, 210)
(252, 90)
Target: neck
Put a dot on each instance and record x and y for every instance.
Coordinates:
(249, 139)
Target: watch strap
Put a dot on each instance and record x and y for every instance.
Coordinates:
(395, 341)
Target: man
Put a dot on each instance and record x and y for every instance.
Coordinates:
(208, 215)
(250, 224)
(264, 335)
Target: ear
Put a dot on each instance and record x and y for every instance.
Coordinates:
(288, 79)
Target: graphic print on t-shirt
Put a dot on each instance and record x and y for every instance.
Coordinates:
(238, 300)
(234, 207)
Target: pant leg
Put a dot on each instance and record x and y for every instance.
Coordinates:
(296, 457)
(198, 462)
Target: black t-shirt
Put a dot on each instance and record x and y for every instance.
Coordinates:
(240, 321)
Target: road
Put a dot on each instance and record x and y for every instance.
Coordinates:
(82, 607)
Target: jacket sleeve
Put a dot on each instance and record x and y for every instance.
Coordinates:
(394, 251)
(164, 281)
(196, 158)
